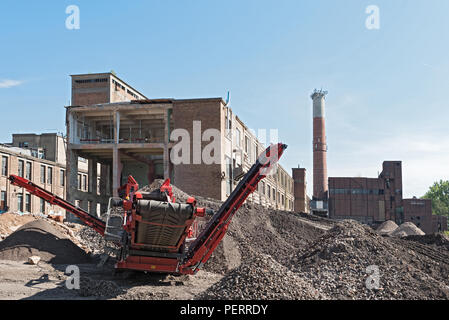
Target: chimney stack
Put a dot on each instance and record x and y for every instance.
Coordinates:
(320, 184)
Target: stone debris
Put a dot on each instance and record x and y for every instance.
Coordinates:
(98, 288)
(261, 278)
(34, 260)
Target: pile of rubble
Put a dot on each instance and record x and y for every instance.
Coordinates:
(261, 278)
(351, 261)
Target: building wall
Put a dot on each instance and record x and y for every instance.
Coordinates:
(89, 89)
(300, 190)
(40, 175)
(198, 179)
(419, 211)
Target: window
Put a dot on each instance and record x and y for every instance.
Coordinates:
(50, 175)
(4, 166)
(20, 168)
(84, 182)
(43, 174)
(269, 192)
(20, 202)
(237, 138)
(28, 171)
(42, 206)
(28, 202)
(79, 182)
(228, 175)
(3, 203)
(246, 144)
(62, 178)
(274, 194)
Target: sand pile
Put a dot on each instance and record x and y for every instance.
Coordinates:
(387, 228)
(40, 238)
(407, 229)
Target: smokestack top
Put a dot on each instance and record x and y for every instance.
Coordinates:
(319, 97)
(318, 94)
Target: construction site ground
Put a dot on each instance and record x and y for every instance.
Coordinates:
(266, 254)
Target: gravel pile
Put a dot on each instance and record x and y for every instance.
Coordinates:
(337, 266)
(98, 288)
(261, 278)
(387, 228)
(407, 229)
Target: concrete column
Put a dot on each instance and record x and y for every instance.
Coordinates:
(116, 127)
(93, 174)
(166, 162)
(72, 178)
(104, 176)
(116, 171)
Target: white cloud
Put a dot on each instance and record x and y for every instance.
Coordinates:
(6, 83)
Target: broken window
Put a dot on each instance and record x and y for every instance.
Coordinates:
(28, 202)
(42, 206)
(43, 174)
(20, 202)
(62, 178)
(4, 166)
(20, 168)
(3, 202)
(50, 175)
(28, 171)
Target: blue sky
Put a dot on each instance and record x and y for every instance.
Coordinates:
(387, 88)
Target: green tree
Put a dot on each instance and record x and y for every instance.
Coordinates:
(439, 194)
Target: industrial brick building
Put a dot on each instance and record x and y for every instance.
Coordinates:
(42, 160)
(375, 200)
(131, 135)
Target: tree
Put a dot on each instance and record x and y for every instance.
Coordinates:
(439, 194)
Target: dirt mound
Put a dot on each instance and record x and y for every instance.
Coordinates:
(341, 264)
(261, 279)
(10, 222)
(407, 229)
(387, 227)
(40, 238)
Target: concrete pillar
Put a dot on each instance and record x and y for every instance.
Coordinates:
(116, 127)
(72, 178)
(166, 162)
(93, 174)
(116, 171)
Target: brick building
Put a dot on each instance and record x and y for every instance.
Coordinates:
(125, 135)
(375, 200)
(40, 159)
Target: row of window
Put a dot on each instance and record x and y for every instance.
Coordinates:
(98, 80)
(118, 85)
(23, 205)
(357, 191)
(24, 170)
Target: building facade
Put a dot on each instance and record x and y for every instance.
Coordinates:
(40, 159)
(375, 200)
(139, 137)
